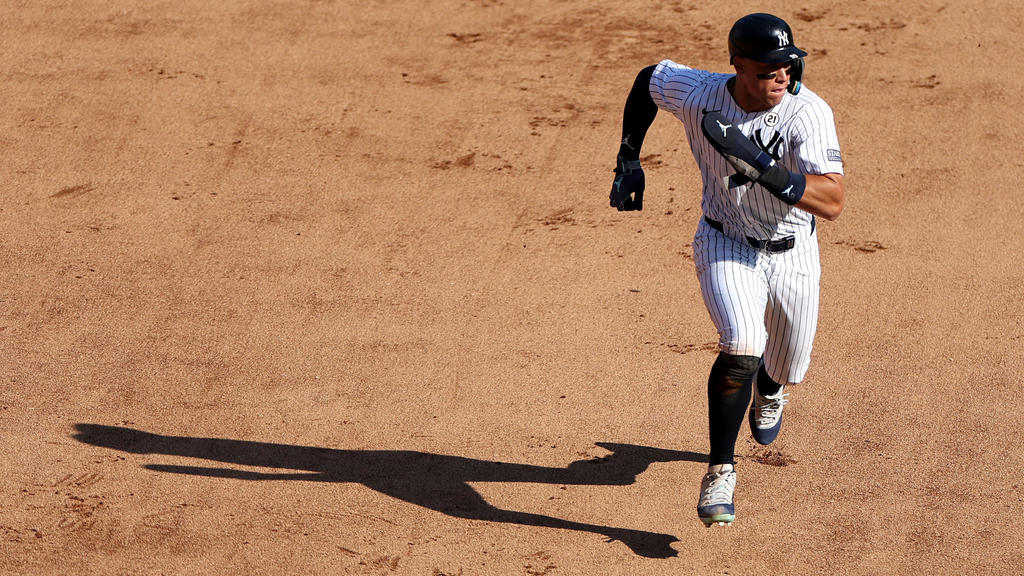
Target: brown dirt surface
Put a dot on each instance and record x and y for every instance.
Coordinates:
(332, 287)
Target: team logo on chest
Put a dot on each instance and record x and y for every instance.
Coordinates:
(772, 146)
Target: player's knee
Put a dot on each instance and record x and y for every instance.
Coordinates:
(741, 343)
(732, 372)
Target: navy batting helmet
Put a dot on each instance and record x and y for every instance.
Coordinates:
(764, 38)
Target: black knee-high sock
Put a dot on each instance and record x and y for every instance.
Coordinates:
(729, 387)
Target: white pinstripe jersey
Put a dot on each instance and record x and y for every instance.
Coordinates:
(799, 132)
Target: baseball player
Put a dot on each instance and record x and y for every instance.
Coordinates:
(770, 161)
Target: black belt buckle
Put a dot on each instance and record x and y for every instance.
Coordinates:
(773, 246)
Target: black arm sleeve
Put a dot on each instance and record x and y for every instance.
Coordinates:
(638, 115)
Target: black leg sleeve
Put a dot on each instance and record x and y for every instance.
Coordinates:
(729, 388)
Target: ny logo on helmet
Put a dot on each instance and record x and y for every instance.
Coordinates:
(783, 38)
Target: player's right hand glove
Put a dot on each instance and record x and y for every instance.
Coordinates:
(628, 188)
(751, 161)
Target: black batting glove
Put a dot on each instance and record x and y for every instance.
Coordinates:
(628, 188)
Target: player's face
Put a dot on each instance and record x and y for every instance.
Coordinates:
(763, 85)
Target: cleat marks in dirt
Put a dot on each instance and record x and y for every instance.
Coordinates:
(482, 161)
(167, 520)
(386, 562)
(79, 516)
(563, 217)
(84, 480)
(687, 348)
(466, 38)
(539, 564)
(773, 458)
(866, 246)
(73, 191)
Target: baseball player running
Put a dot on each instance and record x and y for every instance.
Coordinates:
(769, 157)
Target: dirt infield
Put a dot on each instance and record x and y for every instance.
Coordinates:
(327, 287)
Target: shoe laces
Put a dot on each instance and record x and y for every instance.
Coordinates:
(718, 487)
(769, 407)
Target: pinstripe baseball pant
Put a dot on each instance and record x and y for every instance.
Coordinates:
(762, 304)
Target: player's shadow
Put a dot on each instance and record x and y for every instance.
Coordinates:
(435, 481)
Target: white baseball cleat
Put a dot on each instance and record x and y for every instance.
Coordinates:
(766, 416)
(715, 505)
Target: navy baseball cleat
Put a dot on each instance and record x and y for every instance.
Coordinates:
(766, 416)
(715, 504)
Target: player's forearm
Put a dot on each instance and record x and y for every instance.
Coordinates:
(638, 115)
(824, 196)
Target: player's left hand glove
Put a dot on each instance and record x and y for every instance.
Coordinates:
(628, 188)
(751, 161)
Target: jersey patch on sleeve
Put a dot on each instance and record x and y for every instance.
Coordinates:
(833, 155)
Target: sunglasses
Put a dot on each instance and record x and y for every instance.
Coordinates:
(771, 75)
